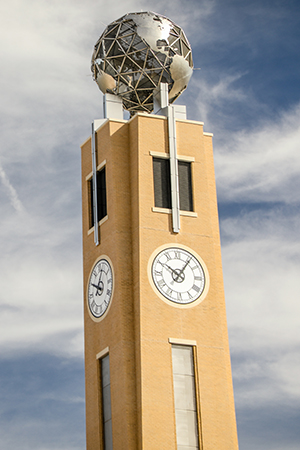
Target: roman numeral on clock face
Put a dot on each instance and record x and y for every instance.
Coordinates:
(169, 292)
(161, 283)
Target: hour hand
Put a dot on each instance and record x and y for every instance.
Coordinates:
(177, 274)
(169, 268)
(99, 288)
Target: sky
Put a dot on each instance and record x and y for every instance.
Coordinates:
(246, 90)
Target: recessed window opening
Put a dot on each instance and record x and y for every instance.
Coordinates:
(185, 186)
(106, 403)
(101, 196)
(162, 184)
(186, 418)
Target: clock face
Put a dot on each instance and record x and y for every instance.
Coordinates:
(100, 288)
(178, 275)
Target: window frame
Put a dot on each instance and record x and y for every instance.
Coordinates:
(180, 158)
(193, 346)
(100, 357)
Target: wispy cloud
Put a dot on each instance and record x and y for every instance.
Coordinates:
(213, 96)
(11, 192)
(261, 262)
(262, 164)
(48, 101)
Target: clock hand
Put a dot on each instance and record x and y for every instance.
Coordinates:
(168, 267)
(101, 271)
(177, 276)
(180, 274)
(188, 261)
(100, 283)
(99, 288)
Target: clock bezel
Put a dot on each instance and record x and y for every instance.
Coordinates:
(108, 260)
(170, 246)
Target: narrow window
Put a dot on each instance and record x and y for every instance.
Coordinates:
(101, 196)
(106, 403)
(185, 186)
(162, 183)
(185, 397)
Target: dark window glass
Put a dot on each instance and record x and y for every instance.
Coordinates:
(101, 196)
(162, 184)
(185, 186)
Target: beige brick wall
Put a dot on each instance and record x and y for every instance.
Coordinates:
(139, 324)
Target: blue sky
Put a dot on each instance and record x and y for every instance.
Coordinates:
(247, 92)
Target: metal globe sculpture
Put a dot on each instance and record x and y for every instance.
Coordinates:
(138, 52)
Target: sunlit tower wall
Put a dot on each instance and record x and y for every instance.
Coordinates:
(157, 362)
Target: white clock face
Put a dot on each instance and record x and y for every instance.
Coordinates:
(100, 288)
(178, 275)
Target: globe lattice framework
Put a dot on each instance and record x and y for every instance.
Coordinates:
(138, 52)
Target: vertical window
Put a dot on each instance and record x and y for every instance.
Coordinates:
(162, 184)
(101, 196)
(106, 403)
(185, 397)
(185, 186)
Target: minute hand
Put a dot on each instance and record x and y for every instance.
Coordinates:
(182, 270)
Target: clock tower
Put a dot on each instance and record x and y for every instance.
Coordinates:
(157, 360)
